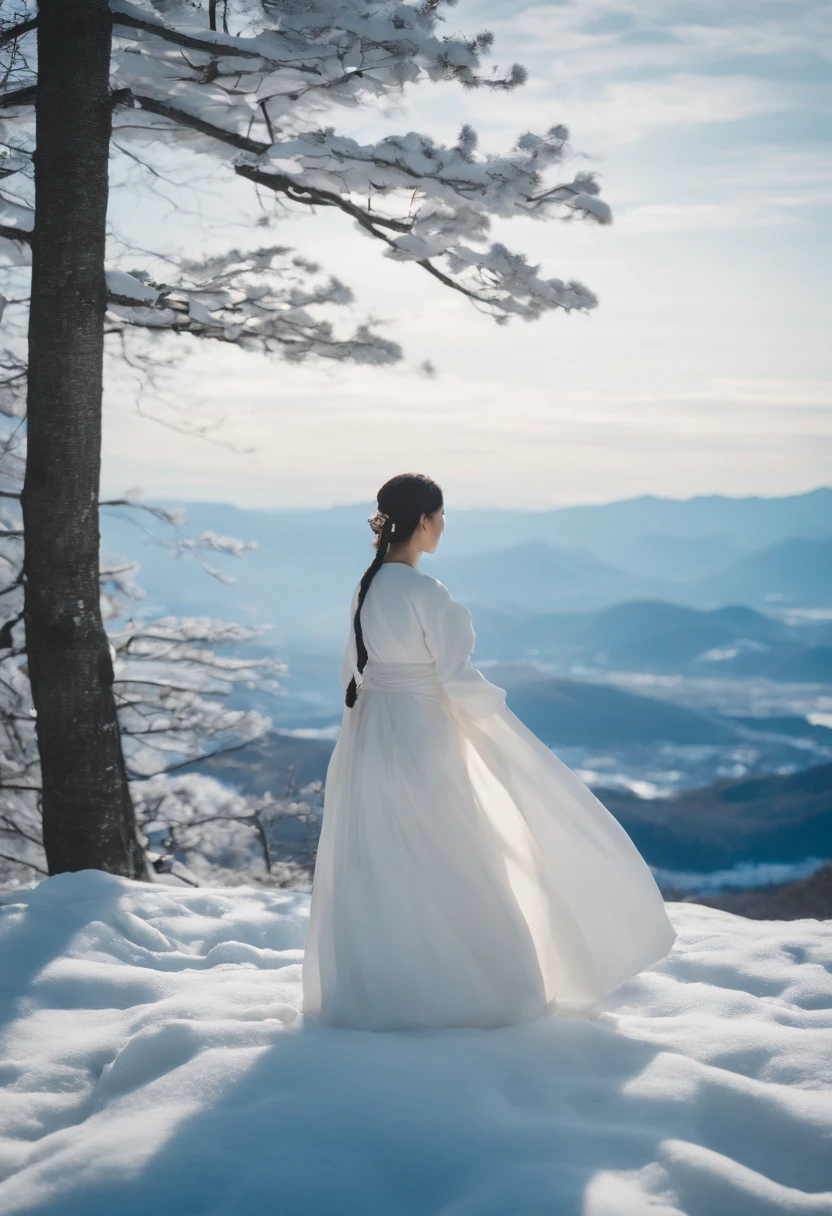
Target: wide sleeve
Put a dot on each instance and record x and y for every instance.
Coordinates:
(349, 663)
(449, 636)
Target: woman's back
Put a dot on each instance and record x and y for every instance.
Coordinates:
(393, 612)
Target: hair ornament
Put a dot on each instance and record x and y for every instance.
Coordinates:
(378, 521)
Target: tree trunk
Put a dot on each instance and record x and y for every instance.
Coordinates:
(88, 819)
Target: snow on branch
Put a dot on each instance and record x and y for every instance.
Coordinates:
(123, 288)
(255, 98)
(336, 47)
(266, 300)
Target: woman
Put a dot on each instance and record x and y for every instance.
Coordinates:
(465, 876)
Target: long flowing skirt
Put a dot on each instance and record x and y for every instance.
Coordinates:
(466, 877)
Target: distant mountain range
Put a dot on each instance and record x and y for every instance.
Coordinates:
(804, 898)
(794, 571)
(661, 555)
(758, 819)
(701, 552)
(656, 636)
(538, 577)
(638, 533)
(564, 712)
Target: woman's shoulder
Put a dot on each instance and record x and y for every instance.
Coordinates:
(423, 587)
(429, 585)
(420, 585)
(406, 571)
(436, 597)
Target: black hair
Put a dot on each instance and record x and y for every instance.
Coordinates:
(402, 501)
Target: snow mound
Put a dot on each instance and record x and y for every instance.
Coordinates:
(154, 1060)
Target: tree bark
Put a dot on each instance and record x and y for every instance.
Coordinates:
(88, 819)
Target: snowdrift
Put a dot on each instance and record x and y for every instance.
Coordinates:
(154, 1060)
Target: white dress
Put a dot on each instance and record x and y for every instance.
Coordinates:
(465, 876)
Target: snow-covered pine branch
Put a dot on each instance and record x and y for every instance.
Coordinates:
(257, 98)
(268, 300)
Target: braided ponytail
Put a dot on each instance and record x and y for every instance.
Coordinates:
(402, 501)
(382, 545)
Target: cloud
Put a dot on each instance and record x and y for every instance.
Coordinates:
(692, 217)
(622, 68)
(626, 110)
(595, 38)
(328, 439)
(762, 186)
(775, 393)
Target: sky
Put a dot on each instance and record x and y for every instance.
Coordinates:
(706, 368)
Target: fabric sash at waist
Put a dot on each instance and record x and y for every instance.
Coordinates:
(411, 679)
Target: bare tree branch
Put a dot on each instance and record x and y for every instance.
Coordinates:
(20, 861)
(19, 97)
(17, 31)
(15, 234)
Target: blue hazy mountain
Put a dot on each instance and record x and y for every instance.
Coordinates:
(794, 571)
(758, 818)
(538, 577)
(661, 555)
(655, 636)
(612, 530)
(573, 559)
(567, 712)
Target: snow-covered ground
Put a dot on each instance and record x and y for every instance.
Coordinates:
(154, 1064)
